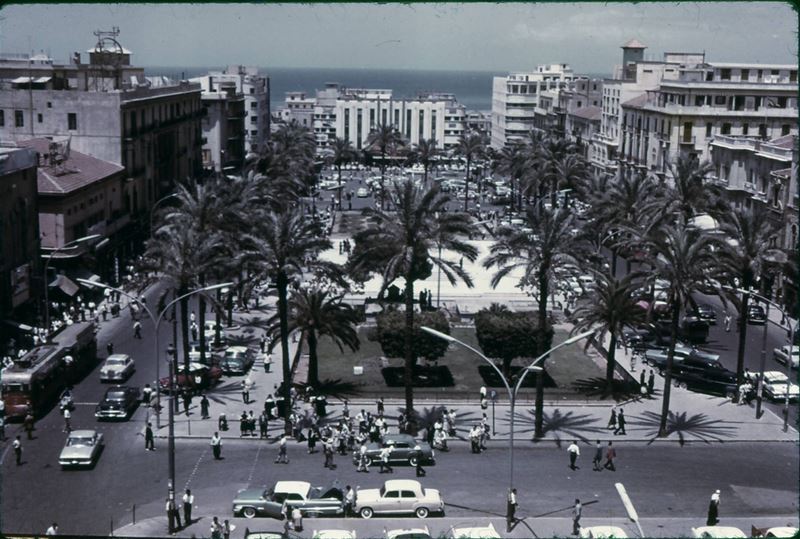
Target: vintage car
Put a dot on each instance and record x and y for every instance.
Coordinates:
(473, 532)
(403, 447)
(713, 381)
(116, 368)
(199, 377)
(312, 501)
(81, 448)
(777, 385)
(237, 360)
(408, 533)
(603, 532)
(717, 531)
(119, 402)
(756, 314)
(657, 357)
(781, 355)
(333, 534)
(399, 496)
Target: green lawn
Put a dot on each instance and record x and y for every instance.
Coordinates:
(565, 366)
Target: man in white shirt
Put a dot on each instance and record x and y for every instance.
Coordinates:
(188, 502)
(574, 452)
(52, 530)
(349, 501)
(386, 454)
(67, 416)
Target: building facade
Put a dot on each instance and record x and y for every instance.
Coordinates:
(223, 124)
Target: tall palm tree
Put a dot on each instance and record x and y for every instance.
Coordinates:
(285, 168)
(425, 153)
(386, 138)
(567, 172)
(690, 194)
(683, 255)
(284, 244)
(317, 312)
(400, 245)
(537, 255)
(744, 257)
(471, 146)
(511, 161)
(610, 309)
(343, 152)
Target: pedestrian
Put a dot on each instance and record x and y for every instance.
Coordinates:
(634, 357)
(110, 348)
(52, 530)
(282, 456)
(642, 381)
(263, 425)
(611, 454)
(727, 322)
(247, 385)
(327, 449)
(216, 446)
(598, 457)
(417, 457)
(713, 510)
(188, 502)
(267, 360)
(137, 330)
(149, 440)
(475, 439)
(349, 501)
(187, 401)
(385, 455)
(511, 509)
(17, 445)
(574, 452)
(204, 407)
(28, 424)
(269, 404)
(67, 416)
(312, 440)
(147, 394)
(216, 529)
(297, 519)
(612, 421)
(577, 509)
(173, 515)
(227, 528)
(363, 459)
(262, 343)
(380, 405)
(620, 423)
(651, 382)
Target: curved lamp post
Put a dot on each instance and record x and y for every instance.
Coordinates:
(512, 392)
(72, 243)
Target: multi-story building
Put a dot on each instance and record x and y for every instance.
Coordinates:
(223, 128)
(480, 121)
(681, 117)
(255, 88)
(19, 230)
(516, 96)
(299, 108)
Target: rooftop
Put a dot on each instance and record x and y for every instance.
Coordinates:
(634, 44)
(589, 113)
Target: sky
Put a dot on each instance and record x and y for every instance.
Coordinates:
(455, 36)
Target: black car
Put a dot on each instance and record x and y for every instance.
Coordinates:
(714, 381)
(706, 313)
(119, 402)
(756, 314)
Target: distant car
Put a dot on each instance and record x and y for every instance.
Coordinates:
(473, 532)
(603, 532)
(707, 313)
(408, 533)
(777, 385)
(362, 192)
(399, 496)
(210, 332)
(194, 352)
(781, 355)
(403, 446)
(116, 368)
(119, 402)
(781, 531)
(756, 314)
(200, 377)
(312, 501)
(81, 448)
(333, 534)
(717, 531)
(712, 381)
(237, 360)
(657, 357)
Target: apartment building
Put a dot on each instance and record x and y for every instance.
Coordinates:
(516, 96)
(681, 117)
(223, 124)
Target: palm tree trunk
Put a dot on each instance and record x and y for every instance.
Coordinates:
(610, 361)
(543, 329)
(283, 315)
(184, 303)
(201, 320)
(746, 283)
(313, 365)
(408, 374)
(676, 312)
(466, 187)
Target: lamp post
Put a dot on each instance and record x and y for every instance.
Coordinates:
(171, 353)
(72, 243)
(512, 392)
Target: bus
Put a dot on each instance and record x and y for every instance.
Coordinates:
(36, 379)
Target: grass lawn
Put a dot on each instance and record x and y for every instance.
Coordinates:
(565, 366)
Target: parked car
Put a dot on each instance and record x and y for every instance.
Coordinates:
(717, 531)
(399, 496)
(777, 384)
(333, 534)
(119, 402)
(473, 532)
(237, 360)
(706, 312)
(408, 533)
(713, 381)
(403, 446)
(657, 357)
(312, 501)
(603, 532)
(777, 531)
(756, 314)
(199, 377)
(194, 353)
(781, 355)
(81, 448)
(116, 368)
(266, 535)
(362, 192)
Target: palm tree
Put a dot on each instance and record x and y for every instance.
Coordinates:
(283, 244)
(399, 245)
(386, 138)
(511, 161)
(567, 172)
(691, 194)
(343, 152)
(285, 168)
(537, 255)
(610, 309)
(683, 255)
(316, 312)
(471, 146)
(425, 153)
(744, 257)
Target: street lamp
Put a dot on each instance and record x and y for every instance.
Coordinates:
(512, 392)
(72, 243)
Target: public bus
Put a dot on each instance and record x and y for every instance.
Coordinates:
(37, 379)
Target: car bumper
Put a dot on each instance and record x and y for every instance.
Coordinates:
(112, 377)
(111, 414)
(74, 462)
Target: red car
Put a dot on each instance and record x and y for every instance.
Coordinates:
(200, 377)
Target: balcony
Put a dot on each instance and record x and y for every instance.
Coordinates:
(688, 141)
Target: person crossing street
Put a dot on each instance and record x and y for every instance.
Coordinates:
(216, 446)
(574, 452)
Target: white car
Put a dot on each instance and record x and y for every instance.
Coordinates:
(399, 496)
(408, 533)
(473, 532)
(116, 368)
(362, 192)
(334, 534)
(777, 384)
(81, 448)
(781, 355)
(782, 531)
(717, 531)
(603, 532)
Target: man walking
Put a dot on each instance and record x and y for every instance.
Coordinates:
(349, 501)
(577, 509)
(263, 425)
(204, 407)
(282, 456)
(598, 457)
(713, 510)
(149, 443)
(173, 516)
(362, 459)
(28, 424)
(611, 454)
(247, 385)
(574, 452)
(651, 382)
(216, 446)
(612, 421)
(417, 454)
(620, 423)
(511, 509)
(188, 502)
(385, 455)
(137, 330)
(67, 416)
(18, 450)
(380, 406)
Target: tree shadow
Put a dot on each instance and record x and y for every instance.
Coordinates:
(561, 425)
(619, 390)
(336, 387)
(698, 426)
(427, 417)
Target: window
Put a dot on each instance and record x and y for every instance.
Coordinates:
(19, 119)
(39, 117)
(782, 102)
(793, 76)
(254, 104)
(785, 129)
(726, 129)
(745, 129)
(719, 100)
(762, 130)
(745, 74)
(49, 104)
(72, 121)
(725, 74)
(2, 118)
(254, 119)
(708, 129)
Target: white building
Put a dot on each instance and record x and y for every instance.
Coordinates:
(516, 96)
(223, 128)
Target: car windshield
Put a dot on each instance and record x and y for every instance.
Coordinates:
(80, 440)
(115, 395)
(115, 361)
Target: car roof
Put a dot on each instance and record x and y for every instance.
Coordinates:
(475, 532)
(293, 487)
(118, 356)
(334, 534)
(236, 349)
(390, 534)
(775, 375)
(84, 433)
(719, 531)
(400, 484)
(603, 531)
(782, 531)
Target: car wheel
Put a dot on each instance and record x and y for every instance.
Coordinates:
(661, 372)
(683, 385)
(369, 461)
(730, 395)
(412, 461)
(421, 512)
(249, 512)
(366, 512)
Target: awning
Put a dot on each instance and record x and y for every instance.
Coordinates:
(27, 80)
(65, 284)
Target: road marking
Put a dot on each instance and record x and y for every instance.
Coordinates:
(196, 467)
(253, 467)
